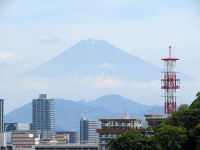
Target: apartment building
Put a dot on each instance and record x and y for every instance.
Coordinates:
(88, 132)
(111, 128)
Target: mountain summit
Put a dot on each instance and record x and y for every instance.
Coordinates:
(93, 42)
(96, 57)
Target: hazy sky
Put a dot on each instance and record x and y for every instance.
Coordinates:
(34, 31)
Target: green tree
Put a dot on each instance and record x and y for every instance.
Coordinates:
(131, 140)
(178, 118)
(189, 118)
(196, 103)
(195, 134)
(170, 137)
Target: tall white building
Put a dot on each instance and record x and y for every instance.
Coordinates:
(3, 142)
(1, 115)
(2, 134)
(88, 132)
(43, 117)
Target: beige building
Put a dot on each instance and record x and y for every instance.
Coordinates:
(47, 142)
(111, 128)
(62, 138)
(24, 139)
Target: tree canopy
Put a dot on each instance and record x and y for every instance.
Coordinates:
(170, 137)
(131, 140)
(181, 130)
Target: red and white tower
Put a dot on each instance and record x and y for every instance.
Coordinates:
(170, 83)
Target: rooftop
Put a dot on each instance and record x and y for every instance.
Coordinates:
(120, 119)
(153, 115)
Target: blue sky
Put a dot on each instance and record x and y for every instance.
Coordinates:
(34, 31)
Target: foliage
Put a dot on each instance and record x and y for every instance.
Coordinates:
(195, 133)
(166, 138)
(170, 137)
(181, 130)
(189, 118)
(131, 141)
(196, 103)
(178, 118)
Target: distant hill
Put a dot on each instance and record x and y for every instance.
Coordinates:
(69, 113)
(21, 114)
(119, 104)
(94, 57)
(116, 103)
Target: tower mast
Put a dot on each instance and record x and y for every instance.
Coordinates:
(169, 83)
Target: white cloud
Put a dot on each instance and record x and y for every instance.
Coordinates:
(138, 85)
(98, 82)
(105, 83)
(35, 84)
(46, 38)
(8, 57)
(107, 66)
(155, 84)
(145, 85)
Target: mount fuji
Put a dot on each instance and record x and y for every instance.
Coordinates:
(97, 57)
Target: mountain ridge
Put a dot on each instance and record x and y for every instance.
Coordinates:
(68, 113)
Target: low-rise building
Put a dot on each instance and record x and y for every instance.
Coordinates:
(74, 146)
(111, 128)
(47, 142)
(3, 142)
(73, 135)
(62, 138)
(24, 139)
(152, 120)
(15, 127)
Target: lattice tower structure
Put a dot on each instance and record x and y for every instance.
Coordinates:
(170, 83)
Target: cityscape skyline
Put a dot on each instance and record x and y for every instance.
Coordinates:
(140, 28)
(100, 62)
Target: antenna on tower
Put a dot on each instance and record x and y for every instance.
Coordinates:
(170, 51)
